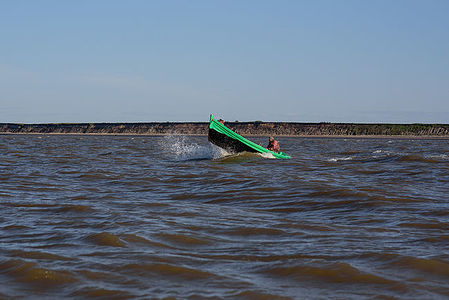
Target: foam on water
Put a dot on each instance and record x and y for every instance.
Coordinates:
(443, 157)
(267, 155)
(380, 151)
(335, 159)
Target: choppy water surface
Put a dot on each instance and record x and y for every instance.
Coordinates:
(155, 217)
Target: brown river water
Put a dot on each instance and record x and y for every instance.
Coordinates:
(146, 217)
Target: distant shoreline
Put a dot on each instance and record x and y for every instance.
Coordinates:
(257, 128)
(405, 137)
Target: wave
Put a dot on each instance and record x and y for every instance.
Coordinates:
(332, 273)
(443, 239)
(42, 206)
(15, 227)
(254, 231)
(258, 295)
(337, 193)
(75, 209)
(423, 266)
(106, 239)
(101, 293)
(30, 273)
(167, 270)
(414, 266)
(433, 225)
(350, 152)
(135, 239)
(443, 157)
(242, 157)
(410, 157)
(386, 155)
(416, 158)
(181, 239)
(38, 255)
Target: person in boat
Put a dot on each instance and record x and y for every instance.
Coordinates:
(221, 121)
(273, 145)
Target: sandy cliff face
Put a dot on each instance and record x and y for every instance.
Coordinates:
(243, 128)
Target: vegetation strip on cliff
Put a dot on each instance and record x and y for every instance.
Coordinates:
(243, 128)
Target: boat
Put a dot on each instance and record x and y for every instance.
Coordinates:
(225, 138)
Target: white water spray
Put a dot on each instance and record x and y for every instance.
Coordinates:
(183, 149)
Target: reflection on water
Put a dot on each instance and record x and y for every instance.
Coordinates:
(143, 217)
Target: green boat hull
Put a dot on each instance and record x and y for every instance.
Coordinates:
(232, 142)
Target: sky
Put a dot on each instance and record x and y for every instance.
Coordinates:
(379, 61)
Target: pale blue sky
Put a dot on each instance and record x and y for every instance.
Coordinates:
(305, 61)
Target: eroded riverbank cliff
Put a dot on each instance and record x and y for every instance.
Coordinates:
(243, 128)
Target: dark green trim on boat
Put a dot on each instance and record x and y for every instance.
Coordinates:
(227, 139)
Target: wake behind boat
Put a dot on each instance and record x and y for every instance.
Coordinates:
(232, 142)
